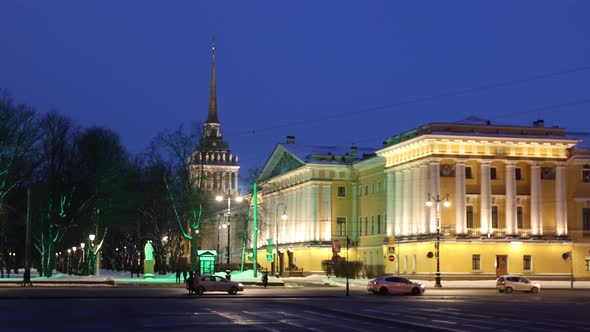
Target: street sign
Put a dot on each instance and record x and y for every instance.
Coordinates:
(392, 240)
(391, 250)
(391, 258)
(269, 249)
(269, 241)
(270, 257)
(335, 246)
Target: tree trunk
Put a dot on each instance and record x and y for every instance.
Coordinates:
(48, 267)
(194, 252)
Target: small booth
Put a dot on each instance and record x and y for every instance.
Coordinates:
(207, 261)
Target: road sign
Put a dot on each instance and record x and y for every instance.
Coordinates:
(391, 258)
(392, 240)
(270, 257)
(269, 241)
(391, 250)
(269, 249)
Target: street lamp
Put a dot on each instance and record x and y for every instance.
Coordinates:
(283, 218)
(91, 254)
(69, 262)
(229, 198)
(82, 245)
(437, 199)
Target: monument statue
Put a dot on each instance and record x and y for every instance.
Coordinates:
(149, 250)
(148, 263)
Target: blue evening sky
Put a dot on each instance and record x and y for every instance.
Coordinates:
(328, 72)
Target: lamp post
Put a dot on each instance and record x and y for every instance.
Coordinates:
(283, 218)
(82, 246)
(68, 261)
(437, 199)
(229, 198)
(91, 254)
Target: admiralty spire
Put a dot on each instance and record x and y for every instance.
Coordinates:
(220, 166)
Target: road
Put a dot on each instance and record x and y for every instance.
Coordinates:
(289, 309)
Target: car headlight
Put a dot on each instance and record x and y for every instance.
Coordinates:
(240, 285)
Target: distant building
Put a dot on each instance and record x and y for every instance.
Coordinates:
(520, 202)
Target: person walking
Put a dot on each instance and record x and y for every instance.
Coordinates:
(178, 276)
(190, 283)
(265, 279)
(27, 278)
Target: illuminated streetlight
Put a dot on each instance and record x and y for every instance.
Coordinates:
(431, 200)
(91, 237)
(229, 198)
(283, 218)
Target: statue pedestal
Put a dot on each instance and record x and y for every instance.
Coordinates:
(148, 268)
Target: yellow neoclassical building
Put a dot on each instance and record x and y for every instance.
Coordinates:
(519, 203)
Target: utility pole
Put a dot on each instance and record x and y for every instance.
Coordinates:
(28, 235)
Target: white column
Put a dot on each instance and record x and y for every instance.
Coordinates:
(390, 205)
(398, 203)
(326, 213)
(560, 201)
(485, 198)
(354, 220)
(510, 199)
(417, 202)
(425, 211)
(460, 212)
(407, 201)
(236, 181)
(434, 190)
(536, 218)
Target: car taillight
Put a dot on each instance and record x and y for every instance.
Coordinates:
(503, 282)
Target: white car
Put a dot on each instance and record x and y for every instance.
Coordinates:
(510, 283)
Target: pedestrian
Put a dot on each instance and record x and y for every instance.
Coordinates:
(265, 279)
(27, 278)
(178, 276)
(190, 283)
(184, 275)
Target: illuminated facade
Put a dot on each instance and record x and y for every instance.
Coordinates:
(520, 200)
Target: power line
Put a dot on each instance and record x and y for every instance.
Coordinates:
(422, 99)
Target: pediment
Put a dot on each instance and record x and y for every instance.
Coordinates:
(280, 162)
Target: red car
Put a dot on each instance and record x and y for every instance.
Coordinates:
(394, 285)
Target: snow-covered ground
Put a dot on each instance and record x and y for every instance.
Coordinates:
(122, 277)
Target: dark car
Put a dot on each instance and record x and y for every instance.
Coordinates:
(213, 283)
(394, 285)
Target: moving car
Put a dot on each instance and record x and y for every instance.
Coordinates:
(213, 283)
(394, 285)
(510, 283)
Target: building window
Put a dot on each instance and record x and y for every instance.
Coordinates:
(341, 223)
(366, 225)
(587, 263)
(360, 190)
(366, 189)
(379, 224)
(469, 216)
(372, 225)
(372, 188)
(468, 174)
(360, 229)
(518, 173)
(527, 263)
(493, 173)
(586, 174)
(475, 262)
(547, 173)
(379, 187)
(586, 220)
(341, 191)
(495, 216)
(519, 217)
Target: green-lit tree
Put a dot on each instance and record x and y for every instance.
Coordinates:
(19, 135)
(185, 181)
(104, 165)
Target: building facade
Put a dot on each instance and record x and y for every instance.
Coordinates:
(519, 195)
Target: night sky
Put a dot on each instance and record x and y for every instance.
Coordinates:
(328, 72)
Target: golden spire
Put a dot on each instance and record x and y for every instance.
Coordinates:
(212, 117)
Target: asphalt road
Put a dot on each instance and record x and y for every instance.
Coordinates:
(289, 309)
